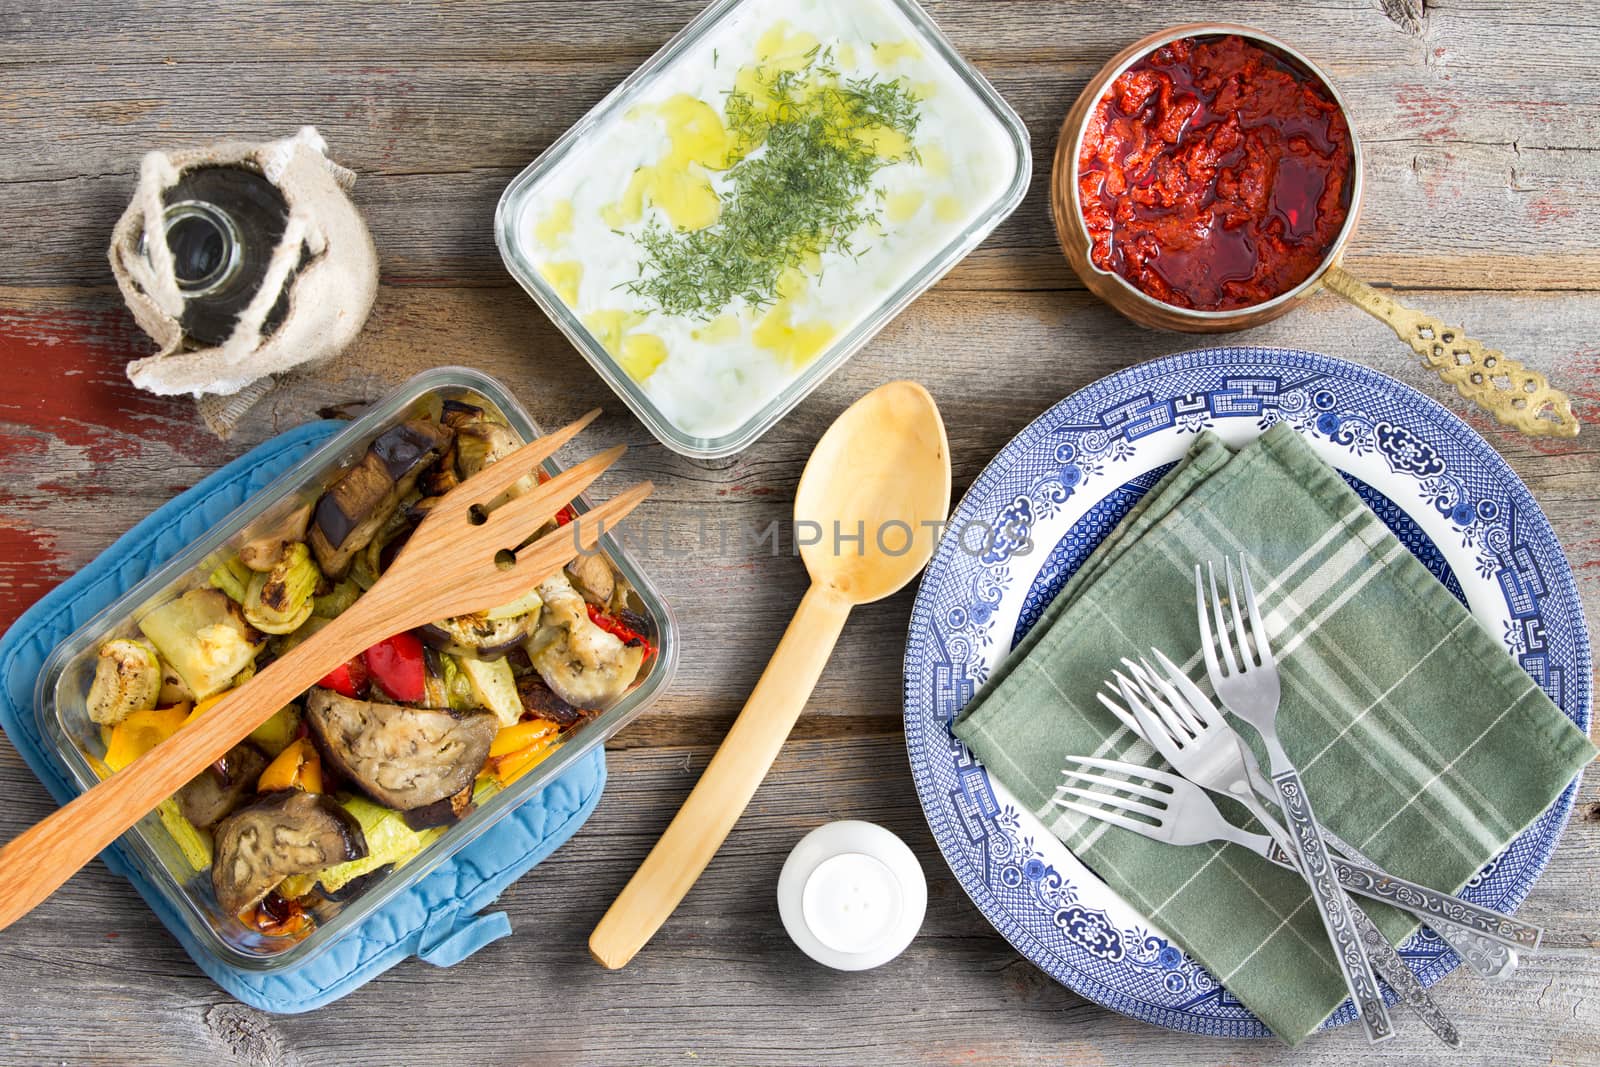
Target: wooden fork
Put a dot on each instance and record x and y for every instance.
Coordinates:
(459, 560)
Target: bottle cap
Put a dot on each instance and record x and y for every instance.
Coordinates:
(852, 895)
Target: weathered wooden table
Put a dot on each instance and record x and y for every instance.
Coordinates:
(1481, 122)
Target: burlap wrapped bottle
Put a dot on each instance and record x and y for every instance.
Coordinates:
(325, 259)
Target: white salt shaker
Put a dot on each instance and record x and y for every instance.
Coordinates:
(852, 895)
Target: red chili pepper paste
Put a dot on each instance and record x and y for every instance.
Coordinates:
(1213, 175)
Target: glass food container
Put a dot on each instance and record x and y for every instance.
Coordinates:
(653, 167)
(61, 692)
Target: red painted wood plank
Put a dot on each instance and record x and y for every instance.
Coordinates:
(69, 420)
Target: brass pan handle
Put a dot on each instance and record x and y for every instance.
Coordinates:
(1520, 398)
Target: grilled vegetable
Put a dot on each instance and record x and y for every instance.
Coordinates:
(286, 833)
(195, 844)
(583, 664)
(279, 600)
(446, 686)
(348, 679)
(540, 701)
(395, 663)
(233, 578)
(486, 634)
(127, 677)
(446, 812)
(349, 514)
(140, 731)
(173, 688)
(297, 767)
(389, 840)
(282, 644)
(494, 686)
(402, 757)
(480, 442)
(205, 637)
(269, 546)
(274, 735)
(520, 747)
(220, 788)
(333, 603)
(592, 576)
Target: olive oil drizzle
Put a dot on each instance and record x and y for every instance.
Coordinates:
(807, 146)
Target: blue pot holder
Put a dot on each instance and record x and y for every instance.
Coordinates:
(436, 920)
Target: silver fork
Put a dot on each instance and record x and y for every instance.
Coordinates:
(1200, 745)
(1487, 939)
(1249, 688)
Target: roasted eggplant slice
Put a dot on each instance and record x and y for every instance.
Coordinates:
(442, 477)
(287, 833)
(539, 700)
(446, 812)
(478, 635)
(356, 507)
(403, 757)
(222, 787)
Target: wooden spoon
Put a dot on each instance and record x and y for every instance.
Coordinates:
(867, 515)
(451, 565)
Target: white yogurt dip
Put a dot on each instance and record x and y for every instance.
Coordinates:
(665, 162)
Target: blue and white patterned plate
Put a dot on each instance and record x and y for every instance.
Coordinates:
(1057, 489)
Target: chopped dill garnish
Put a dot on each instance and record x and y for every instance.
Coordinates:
(807, 153)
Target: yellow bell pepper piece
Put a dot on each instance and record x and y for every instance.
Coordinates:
(296, 767)
(210, 702)
(141, 731)
(520, 736)
(509, 768)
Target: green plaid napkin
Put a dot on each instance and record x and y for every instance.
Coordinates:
(1421, 741)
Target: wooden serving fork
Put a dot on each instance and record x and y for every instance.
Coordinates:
(460, 559)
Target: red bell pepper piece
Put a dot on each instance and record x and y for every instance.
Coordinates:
(349, 679)
(396, 664)
(619, 629)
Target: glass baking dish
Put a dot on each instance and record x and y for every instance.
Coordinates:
(559, 206)
(63, 685)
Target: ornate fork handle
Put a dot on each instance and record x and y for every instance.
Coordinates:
(1335, 908)
(1488, 958)
(1430, 903)
(1392, 969)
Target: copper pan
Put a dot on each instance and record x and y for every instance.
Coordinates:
(1516, 396)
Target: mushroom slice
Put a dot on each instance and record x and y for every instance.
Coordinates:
(583, 664)
(287, 833)
(401, 757)
(222, 787)
(263, 551)
(127, 677)
(481, 442)
(592, 576)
